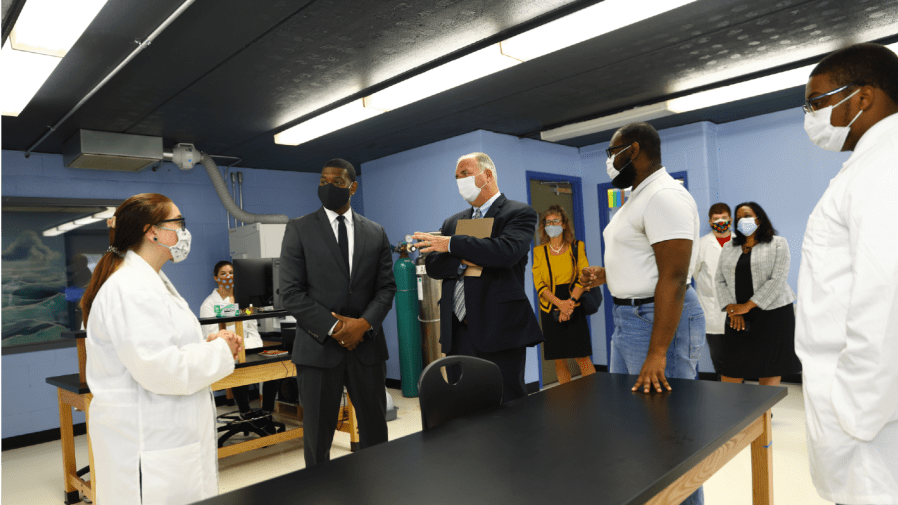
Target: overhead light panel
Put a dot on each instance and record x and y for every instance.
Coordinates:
(328, 122)
(701, 100)
(24, 74)
(585, 24)
(644, 113)
(447, 76)
(52, 27)
(81, 221)
(742, 90)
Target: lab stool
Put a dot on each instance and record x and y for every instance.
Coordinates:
(234, 423)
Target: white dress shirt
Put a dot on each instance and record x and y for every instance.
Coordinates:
(659, 209)
(350, 227)
(846, 328)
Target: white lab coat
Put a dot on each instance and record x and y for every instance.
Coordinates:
(705, 285)
(846, 332)
(152, 417)
(251, 337)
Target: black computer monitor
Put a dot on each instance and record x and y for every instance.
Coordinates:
(253, 282)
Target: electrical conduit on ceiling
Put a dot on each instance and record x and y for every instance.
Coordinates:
(142, 45)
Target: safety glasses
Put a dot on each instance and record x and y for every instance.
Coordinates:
(809, 103)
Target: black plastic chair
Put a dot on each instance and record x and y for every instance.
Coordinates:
(479, 388)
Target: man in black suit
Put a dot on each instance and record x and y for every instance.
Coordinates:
(336, 279)
(489, 316)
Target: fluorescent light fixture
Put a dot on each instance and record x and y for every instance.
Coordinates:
(447, 76)
(24, 74)
(695, 101)
(52, 27)
(106, 214)
(330, 121)
(742, 90)
(81, 221)
(644, 113)
(591, 22)
(52, 232)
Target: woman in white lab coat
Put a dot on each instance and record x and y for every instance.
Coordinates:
(152, 418)
(223, 274)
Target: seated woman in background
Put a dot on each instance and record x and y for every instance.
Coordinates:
(223, 274)
(759, 339)
(555, 272)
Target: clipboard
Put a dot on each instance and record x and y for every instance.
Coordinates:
(476, 228)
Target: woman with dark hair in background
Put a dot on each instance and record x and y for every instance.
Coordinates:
(759, 339)
(555, 274)
(152, 417)
(223, 275)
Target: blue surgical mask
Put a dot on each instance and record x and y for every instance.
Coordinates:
(554, 230)
(747, 226)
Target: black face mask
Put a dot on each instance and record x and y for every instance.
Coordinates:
(333, 197)
(626, 176)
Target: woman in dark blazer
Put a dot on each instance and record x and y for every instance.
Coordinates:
(759, 340)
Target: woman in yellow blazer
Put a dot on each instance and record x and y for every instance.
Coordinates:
(554, 274)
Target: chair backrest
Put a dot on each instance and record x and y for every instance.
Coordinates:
(479, 388)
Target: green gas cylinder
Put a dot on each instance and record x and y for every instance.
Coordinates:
(409, 328)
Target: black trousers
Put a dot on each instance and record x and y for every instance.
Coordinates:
(510, 362)
(269, 390)
(320, 391)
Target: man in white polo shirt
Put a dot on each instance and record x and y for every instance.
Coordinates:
(650, 253)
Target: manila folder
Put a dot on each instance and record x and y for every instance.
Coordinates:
(477, 228)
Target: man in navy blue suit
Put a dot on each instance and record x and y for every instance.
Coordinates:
(488, 316)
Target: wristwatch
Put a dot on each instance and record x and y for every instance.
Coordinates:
(576, 300)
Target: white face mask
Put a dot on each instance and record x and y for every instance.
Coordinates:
(181, 249)
(747, 226)
(553, 230)
(820, 130)
(467, 188)
(609, 165)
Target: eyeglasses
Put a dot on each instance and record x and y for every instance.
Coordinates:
(610, 150)
(554, 222)
(809, 103)
(182, 224)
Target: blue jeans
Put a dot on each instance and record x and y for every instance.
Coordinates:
(630, 345)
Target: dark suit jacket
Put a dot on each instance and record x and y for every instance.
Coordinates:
(499, 314)
(314, 281)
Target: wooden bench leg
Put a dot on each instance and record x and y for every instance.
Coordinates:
(90, 450)
(67, 437)
(353, 427)
(762, 465)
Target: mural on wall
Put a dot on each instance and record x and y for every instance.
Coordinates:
(34, 302)
(49, 250)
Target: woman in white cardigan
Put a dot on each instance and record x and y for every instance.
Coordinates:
(751, 288)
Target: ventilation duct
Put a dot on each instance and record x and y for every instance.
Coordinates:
(111, 151)
(222, 189)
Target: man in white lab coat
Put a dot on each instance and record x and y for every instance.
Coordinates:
(709, 247)
(846, 331)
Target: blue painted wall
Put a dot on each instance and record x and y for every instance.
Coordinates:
(770, 160)
(29, 404)
(767, 159)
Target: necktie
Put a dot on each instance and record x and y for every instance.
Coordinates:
(343, 239)
(458, 297)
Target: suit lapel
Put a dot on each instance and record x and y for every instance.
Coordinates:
(359, 244)
(327, 233)
(494, 210)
